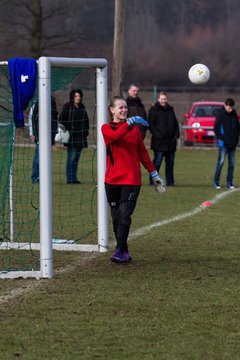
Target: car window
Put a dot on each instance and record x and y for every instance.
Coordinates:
(205, 111)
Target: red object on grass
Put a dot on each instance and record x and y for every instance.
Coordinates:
(207, 203)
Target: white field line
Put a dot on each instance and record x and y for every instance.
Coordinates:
(145, 229)
(80, 261)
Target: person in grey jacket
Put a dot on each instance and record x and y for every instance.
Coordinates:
(34, 134)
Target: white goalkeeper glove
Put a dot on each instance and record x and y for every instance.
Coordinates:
(137, 120)
(158, 182)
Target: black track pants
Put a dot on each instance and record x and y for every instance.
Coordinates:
(122, 200)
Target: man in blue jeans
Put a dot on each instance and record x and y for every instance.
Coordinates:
(226, 129)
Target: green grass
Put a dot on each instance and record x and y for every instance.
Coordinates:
(178, 299)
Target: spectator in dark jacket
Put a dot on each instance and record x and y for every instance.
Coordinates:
(136, 107)
(164, 128)
(226, 129)
(75, 119)
(34, 134)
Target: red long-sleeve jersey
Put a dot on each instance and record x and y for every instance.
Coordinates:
(125, 154)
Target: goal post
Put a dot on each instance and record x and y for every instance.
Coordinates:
(44, 68)
(46, 245)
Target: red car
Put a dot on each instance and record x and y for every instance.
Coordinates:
(199, 122)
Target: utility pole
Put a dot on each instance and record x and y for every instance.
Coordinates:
(118, 48)
(36, 32)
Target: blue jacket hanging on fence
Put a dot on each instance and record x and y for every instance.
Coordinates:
(23, 83)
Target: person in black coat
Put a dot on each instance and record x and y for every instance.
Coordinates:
(226, 128)
(75, 119)
(136, 107)
(34, 123)
(164, 128)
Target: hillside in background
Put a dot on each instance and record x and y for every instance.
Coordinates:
(162, 39)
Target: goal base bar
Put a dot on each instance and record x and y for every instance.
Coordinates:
(36, 246)
(20, 274)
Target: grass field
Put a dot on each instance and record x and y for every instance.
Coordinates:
(178, 299)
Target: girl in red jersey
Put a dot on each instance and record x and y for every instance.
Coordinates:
(125, 154)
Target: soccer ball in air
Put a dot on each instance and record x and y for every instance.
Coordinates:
(199, 74)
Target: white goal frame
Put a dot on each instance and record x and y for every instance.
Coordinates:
(46, 245)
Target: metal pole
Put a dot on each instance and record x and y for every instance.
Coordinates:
(45, 160)
(11, 193)
(102, 116)
(118, 47)
(155, 95)
(88, 62)
(179, 143)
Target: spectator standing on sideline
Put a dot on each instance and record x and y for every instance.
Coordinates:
(136, 107)
(125, 154)
(34, 134)
(164, 128)
(75, 119)
(226, 129)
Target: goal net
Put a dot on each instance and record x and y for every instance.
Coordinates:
(50, 214)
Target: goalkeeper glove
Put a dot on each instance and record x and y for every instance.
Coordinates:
(137, 120)
(158, 182)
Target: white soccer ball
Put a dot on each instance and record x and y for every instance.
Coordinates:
(199, 74)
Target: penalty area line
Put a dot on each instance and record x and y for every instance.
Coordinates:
(145, 229)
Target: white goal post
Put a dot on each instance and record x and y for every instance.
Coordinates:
(46, 245)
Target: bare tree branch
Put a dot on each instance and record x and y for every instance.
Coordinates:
(19, 24)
